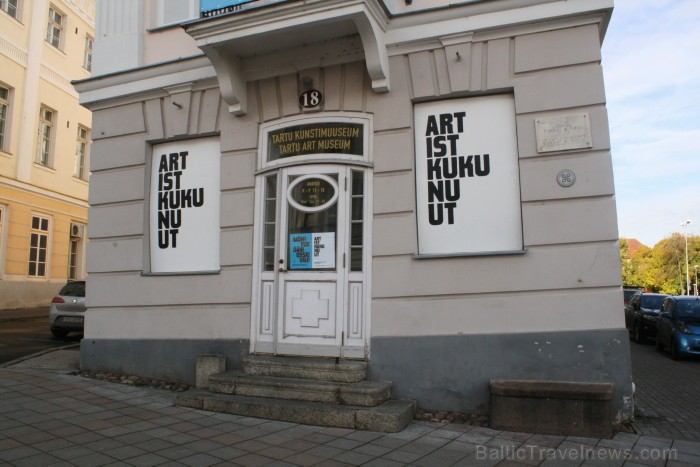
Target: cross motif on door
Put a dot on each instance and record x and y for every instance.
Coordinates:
(310, 308)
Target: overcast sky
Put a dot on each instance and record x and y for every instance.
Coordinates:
(651, 62)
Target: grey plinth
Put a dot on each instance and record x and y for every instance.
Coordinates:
(208, 365)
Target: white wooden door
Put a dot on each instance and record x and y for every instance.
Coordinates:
(311, 277)
(313, 266)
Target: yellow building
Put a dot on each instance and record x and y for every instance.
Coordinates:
(44, 146)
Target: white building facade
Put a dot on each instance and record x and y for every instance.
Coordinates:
(428, 188)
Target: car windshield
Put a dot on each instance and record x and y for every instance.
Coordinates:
(73, 289)
(689, 309)
(651, 302)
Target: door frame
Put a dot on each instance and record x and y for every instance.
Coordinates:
(265, 284)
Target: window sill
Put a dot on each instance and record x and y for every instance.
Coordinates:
(58, 50)
(182, 273)
(44, 167)
(466, 255)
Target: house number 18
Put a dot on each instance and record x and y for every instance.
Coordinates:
(310, 98)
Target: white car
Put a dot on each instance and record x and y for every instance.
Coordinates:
(67, 311)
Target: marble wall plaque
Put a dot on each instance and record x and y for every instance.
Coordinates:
(563, 132)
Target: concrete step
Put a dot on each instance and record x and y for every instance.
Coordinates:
(321, 369)
(389, 417)
(363, 393)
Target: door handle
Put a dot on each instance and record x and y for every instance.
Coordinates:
(282, 270)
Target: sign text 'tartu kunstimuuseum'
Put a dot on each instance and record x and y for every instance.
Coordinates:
(315, 138)
(467, 177)
(185, 206)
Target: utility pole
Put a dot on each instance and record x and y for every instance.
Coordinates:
(687, 273)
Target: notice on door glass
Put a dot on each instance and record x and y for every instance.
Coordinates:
(312, 250)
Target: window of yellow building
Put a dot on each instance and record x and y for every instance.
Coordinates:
(87, 55)
(9, 7)
(46, 121)
(73, 258)
(54, 31)
(81, 152)
(4, 113)
(38, 246)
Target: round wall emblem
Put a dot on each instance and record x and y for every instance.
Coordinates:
(566, 178)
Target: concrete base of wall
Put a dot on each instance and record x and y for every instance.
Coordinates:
(452, 373)
(166, 359)
(446, 373)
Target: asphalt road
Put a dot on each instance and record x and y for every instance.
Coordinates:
(19, 338)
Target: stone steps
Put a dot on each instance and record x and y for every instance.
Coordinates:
(363, 393)
(389, 417)
(317, 391)
(320, 369)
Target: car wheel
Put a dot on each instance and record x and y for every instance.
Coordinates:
(59, 332)
(637, 334)
(675, 355)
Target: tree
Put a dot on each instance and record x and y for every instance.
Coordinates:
(661, 268)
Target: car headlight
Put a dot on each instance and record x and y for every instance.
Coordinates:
(682, 327)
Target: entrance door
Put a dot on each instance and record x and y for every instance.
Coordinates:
(311, 273)
(313, 298)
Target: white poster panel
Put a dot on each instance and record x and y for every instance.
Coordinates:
(467, 176)
(185, 199)
(323, 250)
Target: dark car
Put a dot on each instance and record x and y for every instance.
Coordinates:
(67, 311)
(679, 326)
(627, 293)
(642, 314)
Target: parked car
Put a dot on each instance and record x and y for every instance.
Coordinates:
(627, 293)
(642, 315)
(67, 311)
(679, 326)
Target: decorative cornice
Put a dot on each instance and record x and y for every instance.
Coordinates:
(13, 52)
(85, 9)
(58, 79)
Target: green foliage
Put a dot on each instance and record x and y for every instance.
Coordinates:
(661, 268)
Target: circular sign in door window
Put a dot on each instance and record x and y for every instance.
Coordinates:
(312, 193)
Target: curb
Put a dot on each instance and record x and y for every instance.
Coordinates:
(37, 354)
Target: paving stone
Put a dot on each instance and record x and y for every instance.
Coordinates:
(93, 459)
(353, 458)
(372, 450)
(199, 460)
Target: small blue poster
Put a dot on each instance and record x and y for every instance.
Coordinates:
(300, 247)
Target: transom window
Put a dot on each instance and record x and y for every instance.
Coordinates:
(9, 7)
(38, 246)
(46, 120)
(55, 28)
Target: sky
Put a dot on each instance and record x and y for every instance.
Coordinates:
(651, 64)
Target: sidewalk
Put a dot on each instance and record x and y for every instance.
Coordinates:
(49, 415)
